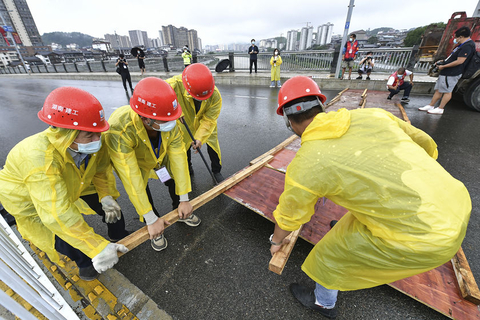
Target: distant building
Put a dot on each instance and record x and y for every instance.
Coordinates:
(306, 36)
(476, 13)
(118, 41)
(179, 37)
(102, 45)
(324, 34)
(160, 37)
(17, 15)
(199, 43)
(292, 40)
(138, 38)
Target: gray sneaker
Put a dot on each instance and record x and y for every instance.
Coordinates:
(160, 243)
(191, 221)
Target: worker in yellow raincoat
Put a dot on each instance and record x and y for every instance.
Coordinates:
(145, 142)
(47, 176)
(201, 104)
(187, 57)
(406, 214)
(275, 62)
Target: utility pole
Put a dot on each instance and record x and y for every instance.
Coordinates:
(344, 39)
(11, 38)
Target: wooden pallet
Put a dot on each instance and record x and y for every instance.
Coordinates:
(450, 289)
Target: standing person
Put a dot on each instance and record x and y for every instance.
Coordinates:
(366, 66)
(141, 60)
(122, 64)
(407, 215)
(145, 142)
(253, 51)
(46, 175)
(396, 83)
(187, 57)
(275, 62)
(196, 92)
(451, 70)
(350, 51)
(27, 65)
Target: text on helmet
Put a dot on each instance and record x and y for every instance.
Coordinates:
(63, 109)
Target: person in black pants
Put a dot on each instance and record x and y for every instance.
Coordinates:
(123, 65)
(252, 51)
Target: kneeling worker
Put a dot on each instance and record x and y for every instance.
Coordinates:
(201, 104)
(406, 214)
(45, 174)
(145, 141)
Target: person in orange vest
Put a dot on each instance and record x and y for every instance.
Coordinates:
(350, 52)
(397, 82)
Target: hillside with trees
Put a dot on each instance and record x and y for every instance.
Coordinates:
(64, 38)
(414, 37)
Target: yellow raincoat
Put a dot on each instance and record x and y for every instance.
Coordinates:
(134, 160)
(187, 58)
(203, 124)
(406, 215)
(41, 186)
(275, 72)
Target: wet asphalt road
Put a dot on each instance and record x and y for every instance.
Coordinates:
(219, 269)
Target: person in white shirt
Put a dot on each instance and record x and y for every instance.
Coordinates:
(397, 82)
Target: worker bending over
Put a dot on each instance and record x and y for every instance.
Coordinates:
(406, 214)
(145, 142)
(47, 178)
(201, 104)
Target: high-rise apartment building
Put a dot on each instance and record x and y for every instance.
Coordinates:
(118, 41)
(21, 19)
(138, 38)
(292, 40)
(306, 37)
(178, 37)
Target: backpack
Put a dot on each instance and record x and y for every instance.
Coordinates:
(471, 66)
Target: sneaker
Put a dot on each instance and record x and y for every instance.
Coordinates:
(218, 176)
(272, 86)
(160, 243)
(435, 111)
(279, 86)
(389, 98)
(426, 108)
(404, 99)
(368, 78)
(88, 274)
(191, 221)
(333, 223)
(359, 78)
(307, 298)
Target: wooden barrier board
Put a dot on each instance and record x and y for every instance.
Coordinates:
(437, 288)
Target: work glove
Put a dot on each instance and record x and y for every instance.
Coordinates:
(112, 210)
(108, 257)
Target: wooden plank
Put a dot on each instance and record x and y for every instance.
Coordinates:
(404, 114)
(276, 149)
(280, 258)
(140, 236)
(335, 99)
(466, 282)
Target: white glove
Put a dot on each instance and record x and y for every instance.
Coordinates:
(108, 257)
(113, 212)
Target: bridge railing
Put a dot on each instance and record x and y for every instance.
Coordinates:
(386, 60)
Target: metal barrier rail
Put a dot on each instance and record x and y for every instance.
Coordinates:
(386, 60)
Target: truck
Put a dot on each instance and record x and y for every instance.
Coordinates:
(437, 44)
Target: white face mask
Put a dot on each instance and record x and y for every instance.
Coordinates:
(165, 127)
(455, 41)
(276, 53)
(253, 42)
(400, 76)
(351, 39)
(88, 148)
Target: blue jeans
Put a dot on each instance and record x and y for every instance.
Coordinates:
(407, 86)
(325, 297)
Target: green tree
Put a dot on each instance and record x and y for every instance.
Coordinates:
(414, 37)
(372, 40)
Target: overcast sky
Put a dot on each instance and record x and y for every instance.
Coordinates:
(224, 22)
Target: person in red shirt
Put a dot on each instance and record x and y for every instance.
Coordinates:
(350, 52)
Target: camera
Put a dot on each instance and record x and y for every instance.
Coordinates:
(435, 66)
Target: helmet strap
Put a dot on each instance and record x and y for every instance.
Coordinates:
(302, 107)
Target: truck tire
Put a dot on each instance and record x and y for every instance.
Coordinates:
(472, 95)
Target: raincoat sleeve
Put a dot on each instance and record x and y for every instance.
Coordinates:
(297, 202)
(279, 61)
(104, 180)
(49, 194)
(418, 136)
(178, 165)
(208, 122)
(122, 153)
(271, 61)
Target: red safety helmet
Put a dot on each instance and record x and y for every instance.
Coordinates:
(153, 98)
(298, 87)
(198, 81)
(73, 108)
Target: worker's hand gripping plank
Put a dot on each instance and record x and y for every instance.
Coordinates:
(280, 258)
